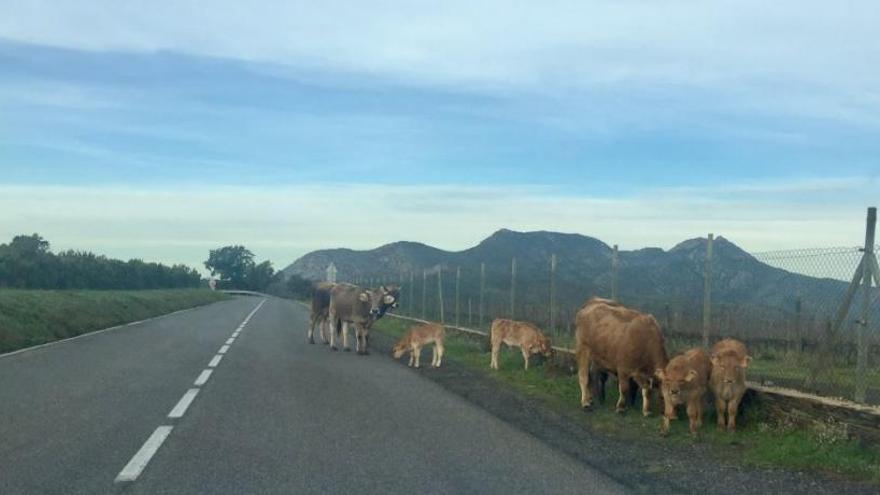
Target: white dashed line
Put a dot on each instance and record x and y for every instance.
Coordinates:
(203, 378)
(230, 340)
(136, 465)
(215, 361)
(184, 402)
(223, 349)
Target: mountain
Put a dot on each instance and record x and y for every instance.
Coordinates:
(651, 278)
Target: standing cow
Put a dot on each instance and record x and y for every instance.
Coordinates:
(353, 305)
(684, 381)
(320, 314)
(728, 379)
(619, 340)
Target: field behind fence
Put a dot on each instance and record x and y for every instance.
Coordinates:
(816, 329)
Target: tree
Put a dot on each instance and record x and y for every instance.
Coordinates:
(260, 276)
(233, 264)
(299, 287)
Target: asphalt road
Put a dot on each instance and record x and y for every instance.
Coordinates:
(276, 415)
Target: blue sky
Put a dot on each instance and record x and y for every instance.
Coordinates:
(346, 125)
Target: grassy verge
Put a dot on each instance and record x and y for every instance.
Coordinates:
(760, 440)
(33, 317)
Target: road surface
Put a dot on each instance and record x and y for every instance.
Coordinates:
(150, 408)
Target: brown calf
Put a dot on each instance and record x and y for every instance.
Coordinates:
(684, 381)
(418, 337)
(520, 334)
(728, 379)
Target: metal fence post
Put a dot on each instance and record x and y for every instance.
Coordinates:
(512, 287)
(552, 315)
(440, 292)
(707, 291)
(424, 293)
(482, 291)
(862, 335)
(457, 296)
(614, 264)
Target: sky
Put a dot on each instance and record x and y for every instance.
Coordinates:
(160, 130)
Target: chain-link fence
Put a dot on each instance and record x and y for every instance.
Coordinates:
(808, 323)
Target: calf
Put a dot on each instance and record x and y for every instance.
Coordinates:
(418, 337)
(614, 339)
(320, 314)
(728, 379)
(520, 334)
(684, 381)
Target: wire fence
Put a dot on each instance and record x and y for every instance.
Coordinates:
(810, 318)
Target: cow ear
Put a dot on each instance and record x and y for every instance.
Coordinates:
(388, 299)
(659, 373)
(716, 361)
(363, 297)
(383, 289)
(690, 376)
(746, 362)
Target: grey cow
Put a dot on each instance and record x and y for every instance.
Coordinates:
(353, 305)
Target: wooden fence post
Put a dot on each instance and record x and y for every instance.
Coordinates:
(482, 291)
(424, 293)
(440, 292)
(707, 291)
(552, 315)
(457, 295)
(614, 264)
(412, 301)
(862, 335)
(513, 288)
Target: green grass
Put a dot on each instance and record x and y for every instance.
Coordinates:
(759, 441)
(33, 317)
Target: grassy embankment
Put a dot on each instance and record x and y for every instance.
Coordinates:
(760, 440)
(33, 317)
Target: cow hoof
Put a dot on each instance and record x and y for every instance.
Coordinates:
(587, 407)
(333, 348)
(311, 341)
(366, 353)
(347, 349)
(620, 411)
(664, 434)
(326, 343)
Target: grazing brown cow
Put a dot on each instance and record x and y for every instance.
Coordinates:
(684, 381)
(320, 314)
(619, 340)
(418, 337)
(728, 379)
(520, 334)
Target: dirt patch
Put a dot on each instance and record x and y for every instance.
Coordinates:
(647, 465)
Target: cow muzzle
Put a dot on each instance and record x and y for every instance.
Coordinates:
(374, 311)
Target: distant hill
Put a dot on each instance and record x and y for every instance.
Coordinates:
(651, 278)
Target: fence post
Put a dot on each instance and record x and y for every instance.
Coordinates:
(707, 291)
(412, 301)
(482, 291)
(862, 336)
(470, 312)
(424, 293)
(457, 294)
(668, 318)
(614, 264)
(799, 324)
(512, 287)
(440, 292)
(550, 320)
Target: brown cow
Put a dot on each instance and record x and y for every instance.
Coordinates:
(520, 334)
(418, 337)
(619, 340)
(353, 305)
(728, 379)
(684, 381)
(320, 314)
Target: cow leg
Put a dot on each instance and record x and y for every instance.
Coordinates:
(496, 349)
(525, 353)
(695, 416)
(417, 350)
(440, 351)
(412, 356)
(583, 359)
(333, 327)
(732, 407)
(345, 346)
(623, 388)
(645, 386)
(312, 320)
(720, 410)
(434, 356)
(365, 335)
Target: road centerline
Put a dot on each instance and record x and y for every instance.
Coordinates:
(203, 377)
(184, 403)
(142, 457)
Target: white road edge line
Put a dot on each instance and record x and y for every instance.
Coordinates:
(203, 378)
(136, 465)
(215, 361)
(184, 402)
(223, 349)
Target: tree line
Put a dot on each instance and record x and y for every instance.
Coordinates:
(235, 268)
(27, 263)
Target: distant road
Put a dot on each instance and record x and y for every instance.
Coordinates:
(274, 415)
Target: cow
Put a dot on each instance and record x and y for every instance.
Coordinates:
(418, 337)
(526, 336)
(320, 314)
(353, 305)
(684, 380)
(615, 339)
(728, 379)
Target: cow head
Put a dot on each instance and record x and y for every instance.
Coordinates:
(543, 346)
(373, 300)
(729, 369)
(399, 349)
(675, 381)
(390, 298)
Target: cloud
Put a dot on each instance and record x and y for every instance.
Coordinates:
(176, 225)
